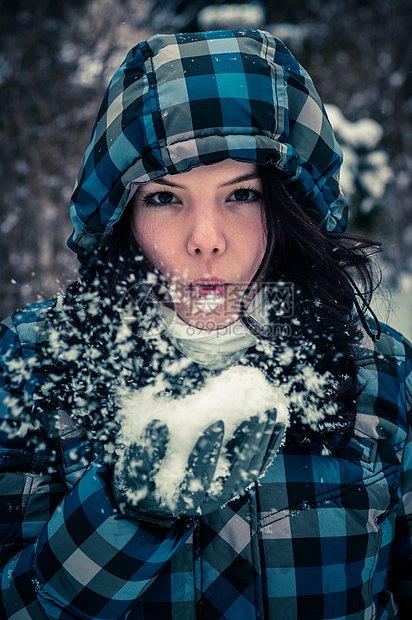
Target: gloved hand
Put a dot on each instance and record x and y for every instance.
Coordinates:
(248, 452)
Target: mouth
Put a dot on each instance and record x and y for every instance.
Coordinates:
(208, 286)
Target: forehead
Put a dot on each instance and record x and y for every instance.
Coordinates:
(221, 173)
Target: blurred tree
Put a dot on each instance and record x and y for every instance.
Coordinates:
(36, 141)
(55, 60)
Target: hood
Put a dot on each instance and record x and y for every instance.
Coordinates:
(179, 101)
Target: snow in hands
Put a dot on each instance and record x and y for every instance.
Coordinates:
(237, 396)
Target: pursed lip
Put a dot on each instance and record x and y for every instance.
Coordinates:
(205, 286)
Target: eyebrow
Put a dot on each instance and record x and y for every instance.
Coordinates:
(240, 179)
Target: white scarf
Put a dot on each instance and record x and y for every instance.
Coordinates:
(217, 348)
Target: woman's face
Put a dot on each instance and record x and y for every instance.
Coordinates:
(204, 230)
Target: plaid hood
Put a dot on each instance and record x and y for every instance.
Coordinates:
(179, 101)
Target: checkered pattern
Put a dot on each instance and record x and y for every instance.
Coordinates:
(179, 101)
(325, 536)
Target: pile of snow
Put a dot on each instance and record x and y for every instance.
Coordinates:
(231, 16)
(295, 35)
(236, 395)
(395, 309)
(363, 133)
(366, 173)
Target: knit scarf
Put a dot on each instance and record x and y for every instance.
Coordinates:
(217, 348)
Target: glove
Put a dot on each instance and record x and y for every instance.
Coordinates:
(206, 487)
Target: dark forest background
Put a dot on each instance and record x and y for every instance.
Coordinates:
(56, 57)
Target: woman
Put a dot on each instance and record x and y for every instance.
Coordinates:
(209, 227)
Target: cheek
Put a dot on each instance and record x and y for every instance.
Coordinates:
(154, 238)
(143, 228)
(255, 242)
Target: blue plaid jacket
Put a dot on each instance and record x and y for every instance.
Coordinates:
(321, 536)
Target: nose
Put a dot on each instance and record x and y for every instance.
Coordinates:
(206, 233)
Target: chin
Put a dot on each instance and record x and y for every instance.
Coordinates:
(208, 321)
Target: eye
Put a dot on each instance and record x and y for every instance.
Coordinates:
(160, 198)
(244, 195)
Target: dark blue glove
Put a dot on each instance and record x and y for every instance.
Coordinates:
(248, 453)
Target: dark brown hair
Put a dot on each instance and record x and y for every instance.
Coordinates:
(333, 278)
